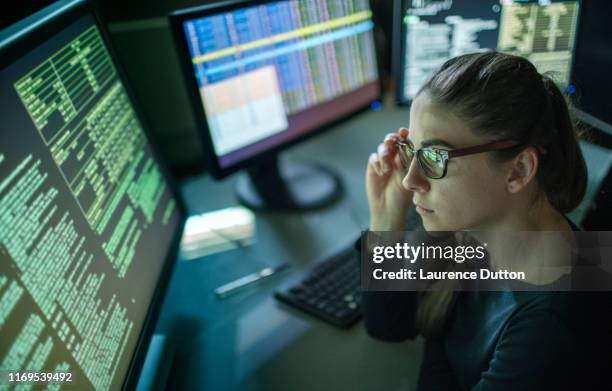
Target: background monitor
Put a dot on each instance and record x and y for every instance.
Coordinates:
(429, 32)
(591, 86)
(89, 224)
(592, 82)
(264, 75)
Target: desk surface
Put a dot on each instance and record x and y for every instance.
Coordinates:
(249, 340)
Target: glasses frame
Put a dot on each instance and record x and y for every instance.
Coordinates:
(447, 154)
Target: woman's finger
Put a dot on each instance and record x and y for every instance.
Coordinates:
(391, 136)
(397, 162)
(373, 165)
(390, 146)
(403, 133)
(384, 157)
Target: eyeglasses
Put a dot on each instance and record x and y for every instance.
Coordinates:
(433, 161)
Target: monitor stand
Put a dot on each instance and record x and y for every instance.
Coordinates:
(288, 186)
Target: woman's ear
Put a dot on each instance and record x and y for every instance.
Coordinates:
(523, 169)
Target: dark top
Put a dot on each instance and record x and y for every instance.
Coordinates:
(506, 340)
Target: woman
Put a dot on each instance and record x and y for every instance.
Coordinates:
(516, 166)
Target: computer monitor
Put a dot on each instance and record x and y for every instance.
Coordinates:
(265, 75)
(89, 223)
(429, 32)
(591, 80)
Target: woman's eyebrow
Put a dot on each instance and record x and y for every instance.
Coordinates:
(436, 141)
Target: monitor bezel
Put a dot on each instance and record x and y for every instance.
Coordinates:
(176, 19)
(21, 37)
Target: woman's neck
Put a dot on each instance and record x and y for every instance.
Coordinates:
(544, 256)
(532, 216)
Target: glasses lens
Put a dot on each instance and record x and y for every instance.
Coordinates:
(406, 153)
(432, 163)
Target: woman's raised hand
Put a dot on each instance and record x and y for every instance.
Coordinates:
(388, 200)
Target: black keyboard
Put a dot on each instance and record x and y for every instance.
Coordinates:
(330, 291)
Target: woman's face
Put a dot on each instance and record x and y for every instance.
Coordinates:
(472, 194)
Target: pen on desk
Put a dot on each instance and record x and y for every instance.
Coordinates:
(231, 287)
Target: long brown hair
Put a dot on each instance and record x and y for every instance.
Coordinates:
(502, 97)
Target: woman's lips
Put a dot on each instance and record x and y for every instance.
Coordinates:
(421, 209)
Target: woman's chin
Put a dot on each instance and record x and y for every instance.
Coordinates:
(432, 225)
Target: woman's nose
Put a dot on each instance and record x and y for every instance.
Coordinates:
(415, 180)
